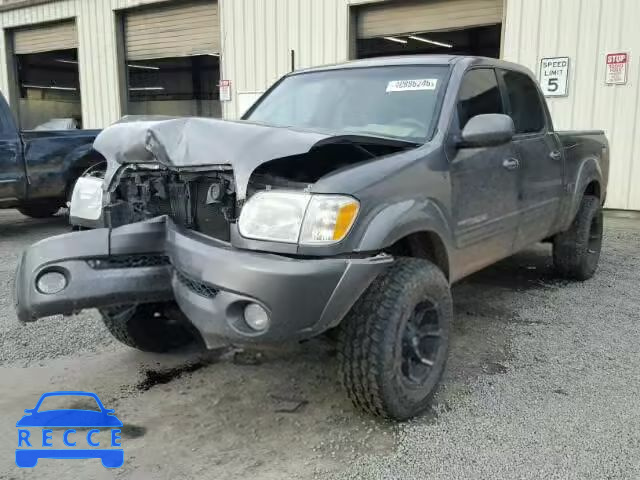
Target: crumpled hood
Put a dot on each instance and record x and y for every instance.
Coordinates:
(197, 142)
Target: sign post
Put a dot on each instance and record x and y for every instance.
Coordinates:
(616, 73)
(554, 76)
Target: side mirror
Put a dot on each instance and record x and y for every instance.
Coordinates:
(487, 130)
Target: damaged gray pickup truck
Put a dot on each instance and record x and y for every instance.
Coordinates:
(349, 197)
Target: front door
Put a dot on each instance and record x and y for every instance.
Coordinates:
(484, 181)
(540, 155)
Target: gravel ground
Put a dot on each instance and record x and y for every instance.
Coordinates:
(26, 344)
(567, 402)
(542, 383)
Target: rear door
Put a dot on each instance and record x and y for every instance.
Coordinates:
(12, 174)
(484, 180)
(540, 155)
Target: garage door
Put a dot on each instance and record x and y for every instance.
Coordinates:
(425, 16)
(177, 30)
(46, 38)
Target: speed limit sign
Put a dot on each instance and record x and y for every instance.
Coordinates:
(554, 76)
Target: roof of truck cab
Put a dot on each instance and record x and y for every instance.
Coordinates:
(401, 60)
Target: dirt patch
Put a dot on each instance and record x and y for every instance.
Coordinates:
(494, 368)
(162, 376)
(132, 431)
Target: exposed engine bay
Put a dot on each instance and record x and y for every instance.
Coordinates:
(202, 201)
(205, 199)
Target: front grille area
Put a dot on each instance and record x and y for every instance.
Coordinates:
(197, 287)
(150, 260)
(129, 261)
(192, 205)
(213, 207)
(204, 202)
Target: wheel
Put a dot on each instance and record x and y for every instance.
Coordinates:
(44, 209)
(393, 344)
(576, 252)
(152, 327)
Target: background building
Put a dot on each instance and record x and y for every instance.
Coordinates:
(96, 60)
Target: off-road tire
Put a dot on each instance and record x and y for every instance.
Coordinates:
(44, 209)
(576, 252)
(152, 327)
(371, 336)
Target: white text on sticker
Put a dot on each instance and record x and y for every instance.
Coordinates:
(408, 85)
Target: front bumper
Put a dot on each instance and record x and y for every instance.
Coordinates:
(211, 281)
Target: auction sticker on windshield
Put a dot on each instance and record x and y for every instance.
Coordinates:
(412, 85)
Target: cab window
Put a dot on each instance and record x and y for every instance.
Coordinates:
(479, 95)
(525, 106)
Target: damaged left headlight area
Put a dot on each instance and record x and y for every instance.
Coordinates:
(200, 200)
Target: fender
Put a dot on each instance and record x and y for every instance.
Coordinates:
(588, 171)
(404, 218)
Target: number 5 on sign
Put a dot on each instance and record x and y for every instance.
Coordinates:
(554, 76)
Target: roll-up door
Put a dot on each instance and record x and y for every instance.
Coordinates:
(426, 15)
(45, 38)
(179, 29)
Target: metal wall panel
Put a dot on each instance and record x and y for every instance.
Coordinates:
(175, 30)
(422, 16)
(585, 31)
(97, 30)
(45, 38)
(258, 37)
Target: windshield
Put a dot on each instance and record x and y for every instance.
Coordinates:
(397, 102)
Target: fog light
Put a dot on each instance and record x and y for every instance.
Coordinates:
(256, 317)
(51, 283)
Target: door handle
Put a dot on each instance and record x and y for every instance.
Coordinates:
(556, 155)
(511, 163)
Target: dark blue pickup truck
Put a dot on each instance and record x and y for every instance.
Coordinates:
(39, 168)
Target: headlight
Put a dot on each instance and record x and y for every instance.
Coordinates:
(274, 216)
(328, 220)
(293, 217)
(86, 200)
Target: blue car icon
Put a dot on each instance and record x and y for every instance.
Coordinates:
(69, 419)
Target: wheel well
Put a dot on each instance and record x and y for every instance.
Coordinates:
(593, 189)
(425, 245)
